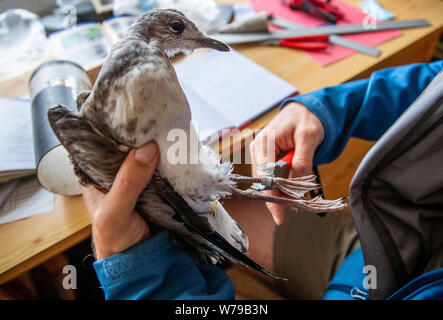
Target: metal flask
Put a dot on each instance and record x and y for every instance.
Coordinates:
(54, 82)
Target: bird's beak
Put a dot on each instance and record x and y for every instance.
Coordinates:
(213, 44)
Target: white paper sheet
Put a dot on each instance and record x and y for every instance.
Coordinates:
(28, 199)
(16, 141)
(208, 120)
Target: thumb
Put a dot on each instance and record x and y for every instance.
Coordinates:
(133, 176)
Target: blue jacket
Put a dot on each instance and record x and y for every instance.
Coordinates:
(156, 269)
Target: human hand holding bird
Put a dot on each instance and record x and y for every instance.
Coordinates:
(116, 226)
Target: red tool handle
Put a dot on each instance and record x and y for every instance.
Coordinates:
(323, 37)
(306, 42)
(310, 46)
(288, 157)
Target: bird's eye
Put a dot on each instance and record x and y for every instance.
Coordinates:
(177, 27)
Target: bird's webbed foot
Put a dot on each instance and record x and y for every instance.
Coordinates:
(294, 188)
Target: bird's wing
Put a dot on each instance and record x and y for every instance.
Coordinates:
(81, 98)
(94, 158)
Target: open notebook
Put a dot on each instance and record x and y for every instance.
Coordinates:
(16, 140)
(228, 90)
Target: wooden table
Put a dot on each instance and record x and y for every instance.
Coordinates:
(27, 243)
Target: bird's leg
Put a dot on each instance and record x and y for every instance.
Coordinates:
(315, 205)
(296, 188)
(293, 187)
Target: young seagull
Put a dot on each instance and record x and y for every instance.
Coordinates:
(137, 98)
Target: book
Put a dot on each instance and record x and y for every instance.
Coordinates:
(16, 140)
(28, 145)
(19, 156)
(19, 198)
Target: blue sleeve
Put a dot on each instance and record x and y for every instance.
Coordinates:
(365, 108)
(157, 269)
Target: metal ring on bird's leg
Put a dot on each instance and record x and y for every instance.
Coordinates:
(267, 181)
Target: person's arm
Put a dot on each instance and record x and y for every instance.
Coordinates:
(319, 124)
(157, 269)
(131, 267)
(365, 108)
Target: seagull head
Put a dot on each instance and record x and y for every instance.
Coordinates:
(174, 32)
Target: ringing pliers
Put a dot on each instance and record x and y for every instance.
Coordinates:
(276, 169)
(310, 43)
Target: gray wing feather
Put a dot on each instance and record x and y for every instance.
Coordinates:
(95, 159)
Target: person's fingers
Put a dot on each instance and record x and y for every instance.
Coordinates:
(277, 210)
(92, 198)
(132, 177)
(260, 155)
(305, 145)
(264, 148)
